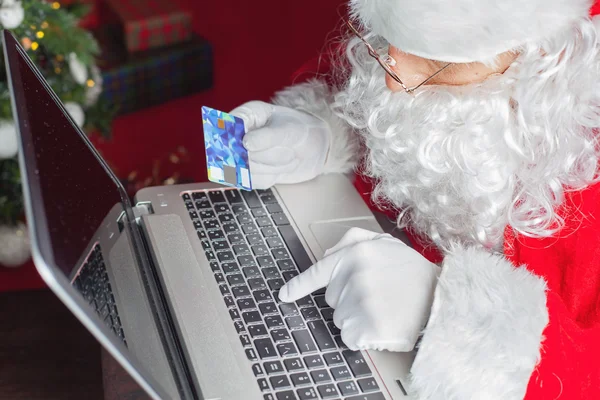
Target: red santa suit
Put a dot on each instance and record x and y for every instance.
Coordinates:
(525, 323)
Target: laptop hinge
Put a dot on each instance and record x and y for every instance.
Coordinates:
(142, 208)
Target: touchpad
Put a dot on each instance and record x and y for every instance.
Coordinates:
(329, 233)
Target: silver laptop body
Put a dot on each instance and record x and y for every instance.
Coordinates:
(181, 287)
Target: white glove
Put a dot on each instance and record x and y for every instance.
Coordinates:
(284, 145)
(381, 289)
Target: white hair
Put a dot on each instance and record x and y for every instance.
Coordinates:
(462, 162)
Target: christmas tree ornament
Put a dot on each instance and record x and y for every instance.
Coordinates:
(8, 140)
(11, 16)
(76, 112)
(93, 87)
(78, 70)
(14, 245)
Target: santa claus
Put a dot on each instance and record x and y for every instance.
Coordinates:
(474, 124)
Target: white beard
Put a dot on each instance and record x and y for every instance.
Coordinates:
(462, 163)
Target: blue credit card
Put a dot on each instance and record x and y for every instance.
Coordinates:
(226, 157)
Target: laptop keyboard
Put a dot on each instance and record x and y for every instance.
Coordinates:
(92, 282)
(295, 350)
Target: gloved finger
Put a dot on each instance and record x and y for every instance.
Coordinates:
(260, 168)
(255, 114)
(351, 333)
(314, 278)
(353, 236)
(267, 137)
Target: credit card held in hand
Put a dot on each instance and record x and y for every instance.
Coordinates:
(226, 157)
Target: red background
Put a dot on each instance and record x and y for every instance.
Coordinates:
(257, 46)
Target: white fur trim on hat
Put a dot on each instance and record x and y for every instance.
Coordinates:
(484, 334)
(466, 30)
(315, 97)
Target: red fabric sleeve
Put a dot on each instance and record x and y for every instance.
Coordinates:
(570, 263)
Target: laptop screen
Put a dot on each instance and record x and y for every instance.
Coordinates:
(80, 222)
(76, 192)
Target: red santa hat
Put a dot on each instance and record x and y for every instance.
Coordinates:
(467, 30)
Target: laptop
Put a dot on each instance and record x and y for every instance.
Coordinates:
(180, 285)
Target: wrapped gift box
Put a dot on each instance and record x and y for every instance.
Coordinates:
(147, 24)
(144, 79)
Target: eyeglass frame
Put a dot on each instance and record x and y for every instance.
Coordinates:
(386, 66)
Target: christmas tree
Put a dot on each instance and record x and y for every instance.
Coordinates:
(64, 52)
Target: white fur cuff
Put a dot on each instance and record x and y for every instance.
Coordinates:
(484, 334)
(314, 97)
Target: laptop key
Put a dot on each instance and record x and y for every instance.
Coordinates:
(271, 273)
(307, 394)
(246, 304)
(320, 301)
(333, 329)
(304, 341)
(228, 299)
(327, 391)
(296, 248)
(265, 348)
(300, 379)
(239, 209)
(293, 364)
(287, 349)
(267, 308)
(226, 218)
(274, 321)
(333, 359)
(327, 314)
(340, 373)
(215, 235)
(240, 249)
(340, 343)
(211, 224)
(259, 212)
(257, 330)
(268, 199)
(240, 291)
(234, 314)
(231, 228)
(263, 384)
(265, 261)
(275, 284)
(201, 204)
(280, 335)
(251, 317)
(280, 254)
(320, 376)
(269, 396)
(235, 279)
(226, 256)
(322, 336)
(239, 326)
(263, 222)
(219, 277)
(249, 228)
(231, 268)
(251, 272)
(348, 388)
(357, 363)
(205, 244)
(288, 309)
(186, 196)
(214, 266)
(273, 367)
(198, 225)
(286, 395)
(260, 250)
(251, 199)
(269, 231)
(294, 322)
(216, 196)
(274, 242)
(201, 234)
(280, 382)
(257, 284)
(236, 238)
(262, 295)
(311, 313)
(368, 385)
(245, 339)
(257, 369)
(233, 196)
(207, 214)
(305, 302)
(280, 219)
(274, 208)
(254, 238)
(220, 245)
(210, 256)
(289, 275)
(221, 208)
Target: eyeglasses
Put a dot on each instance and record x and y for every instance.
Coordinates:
(389, 62)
